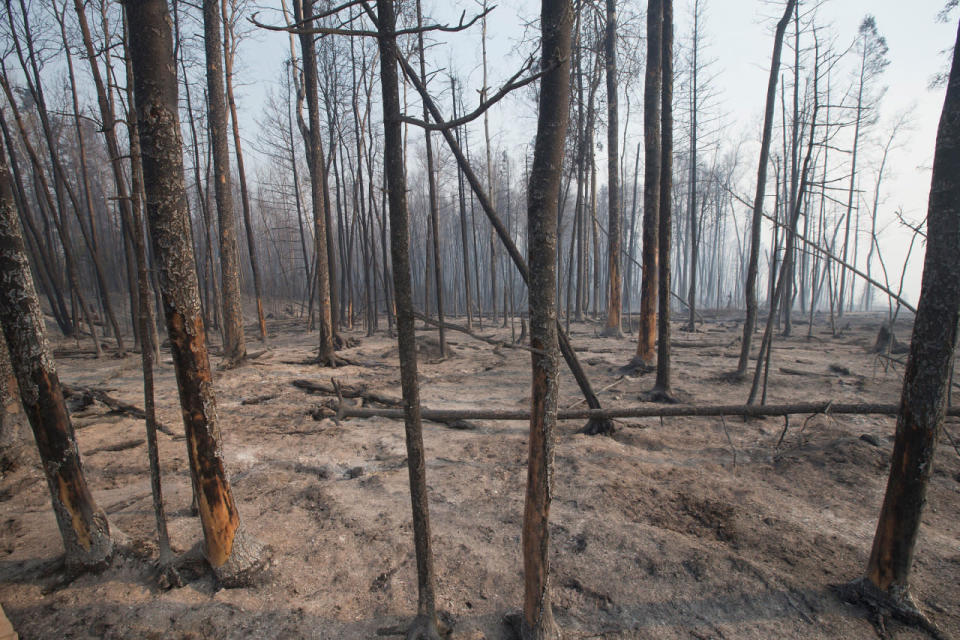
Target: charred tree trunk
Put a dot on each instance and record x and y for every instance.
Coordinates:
(751, 285)
(425, 625)
(315, 164)
(651, 186)
(83, 525)
(235, 557)
(614, 301)
(926, 379)
(234, 345)
(661, 388)
(229, 51)
(545, 173)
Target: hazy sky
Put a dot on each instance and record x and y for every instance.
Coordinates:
(739, 37)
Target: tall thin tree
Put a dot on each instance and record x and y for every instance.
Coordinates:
(236, 557)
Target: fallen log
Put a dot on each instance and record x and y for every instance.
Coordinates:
(347, 391)
(476, 336)
(643, 411)
(115, 405)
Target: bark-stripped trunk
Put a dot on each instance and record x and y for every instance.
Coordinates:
(651, 186)
(614, 301)
(545, 173)
(425, 625)
(315, 164)
(83, 525)
(234, 556)
(926, 379)
(751, 285)
(234, 345)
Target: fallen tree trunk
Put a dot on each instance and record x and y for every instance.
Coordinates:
(643, 411)
(347, 391)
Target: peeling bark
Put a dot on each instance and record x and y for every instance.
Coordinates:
(235, 557)
(83, 525)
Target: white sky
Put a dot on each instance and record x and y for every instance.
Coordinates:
(740, 34)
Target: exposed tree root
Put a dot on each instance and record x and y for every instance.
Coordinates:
(637, 366)
(659, 395)
(425, 627)
(881, 606)
(598, 427)
(611, 332)
(247, 565)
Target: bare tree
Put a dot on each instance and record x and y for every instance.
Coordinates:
(83, 525)
(926, 381)
(754, 259)
(556, 19)
(315, 164)
(236, 557)
(614, 300)
(651, 186)
(425, 625)
(234, 347)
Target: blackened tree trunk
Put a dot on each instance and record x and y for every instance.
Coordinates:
(425, 625)
(661, 387)
(926, 379)
(83, 525)
(235, 557)
(149, 351)
(754, 260)
(315, 164)
(556, 19)
(234, 345)
(614, 301)
(651, 186)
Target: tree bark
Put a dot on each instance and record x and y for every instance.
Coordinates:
(926, 378)
(662, 385)
(229, 50)
(234, 344)
(315, 164)
(651, 185)
(614, 301)
(425, 625)
(236, 558)
(83, 525)
(542, 209)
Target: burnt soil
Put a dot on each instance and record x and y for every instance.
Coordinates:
(673, 528)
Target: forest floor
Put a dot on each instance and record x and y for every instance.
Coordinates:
(673, 528)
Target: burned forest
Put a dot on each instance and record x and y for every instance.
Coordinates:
(520, 321)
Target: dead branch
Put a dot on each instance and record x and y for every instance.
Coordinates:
(348, 391)
(115, 405)
(462, 329)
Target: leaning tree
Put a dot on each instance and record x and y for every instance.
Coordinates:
(83, 525)
(926, 380)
